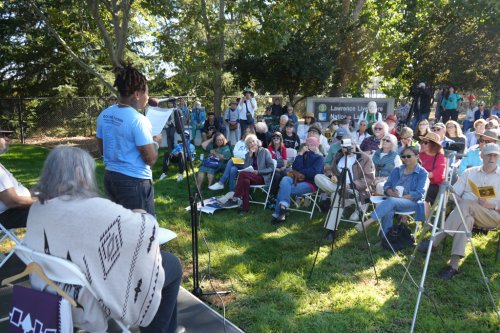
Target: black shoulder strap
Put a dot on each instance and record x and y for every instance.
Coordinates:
(434, 162)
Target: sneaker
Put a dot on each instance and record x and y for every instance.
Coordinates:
(217, 186)
(223, 199)
(179, 177)
(354, 216)
(231, 203)
(162, 176)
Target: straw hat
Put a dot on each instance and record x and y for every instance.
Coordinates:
(309, 114)
(432, 137)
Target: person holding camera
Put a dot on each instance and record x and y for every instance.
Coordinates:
(421, 105)
(247, 108)
(308, 163)
(210, 127)
(363, 176)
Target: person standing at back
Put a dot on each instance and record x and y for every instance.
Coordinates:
(125, 140)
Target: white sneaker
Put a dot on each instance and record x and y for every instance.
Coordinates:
(179, 177)
(217, 186)
(223, 199)
(354, 216)
(162, 176)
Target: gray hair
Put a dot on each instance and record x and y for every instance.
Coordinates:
(261, 127)
(251, 137)
(284, 118)
(67, 171)
(383, 124)
(394, 141)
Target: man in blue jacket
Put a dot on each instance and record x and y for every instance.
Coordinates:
(308, 163)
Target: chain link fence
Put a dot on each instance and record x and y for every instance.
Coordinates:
(38, 117)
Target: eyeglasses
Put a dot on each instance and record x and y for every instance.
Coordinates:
(425, 142)
(485, 141)
(377, 128)
(387, 140)
(407, 156)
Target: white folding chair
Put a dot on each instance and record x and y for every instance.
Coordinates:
(264, 188)
(59, 270)
(6, 235)
(299, 201)
(290, 155)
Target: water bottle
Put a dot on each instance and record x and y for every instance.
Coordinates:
(201, 157)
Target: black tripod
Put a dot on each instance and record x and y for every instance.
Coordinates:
(194, 198)
(337, 202)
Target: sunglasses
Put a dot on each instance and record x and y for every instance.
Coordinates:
(486, 141)
(377, 128)
(425, 142)
(387, 140)
(406, 156)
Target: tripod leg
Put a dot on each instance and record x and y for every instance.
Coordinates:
(469, 238)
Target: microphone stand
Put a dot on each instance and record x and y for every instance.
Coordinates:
(194, 197)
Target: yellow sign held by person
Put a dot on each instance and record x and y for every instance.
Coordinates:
(237, 160)
(483, 192)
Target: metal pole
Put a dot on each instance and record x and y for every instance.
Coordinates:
(20, 117)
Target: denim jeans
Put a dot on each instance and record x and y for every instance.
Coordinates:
(130, 192)
(230, 173)
(416, 120)
(385, 211)
(165, 319)
(288, 189)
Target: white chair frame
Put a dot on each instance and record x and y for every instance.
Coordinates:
(312, 196)
(59, 270)
(264, 188)
(7, 234)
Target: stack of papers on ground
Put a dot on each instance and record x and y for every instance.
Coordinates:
(209, 206)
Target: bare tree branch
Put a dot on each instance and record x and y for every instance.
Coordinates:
(108, 43)
(357, 10)
(73, 55)
(121, 39)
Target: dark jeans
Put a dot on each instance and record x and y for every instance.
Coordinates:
(14, 218)
(170, 137)
(179, 159)
(130, 192)
(165, 319)
(449, 114)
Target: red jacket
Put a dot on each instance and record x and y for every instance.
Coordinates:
(438, 172)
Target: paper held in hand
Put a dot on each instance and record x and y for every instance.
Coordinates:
(237, 160)
(483, 192)
(158, 118)
(247, 169)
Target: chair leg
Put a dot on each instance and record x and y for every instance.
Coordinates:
(498, 247)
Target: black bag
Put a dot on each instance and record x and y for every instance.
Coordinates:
(399, 236)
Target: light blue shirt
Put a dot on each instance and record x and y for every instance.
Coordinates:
(472, 159)
(122, 130)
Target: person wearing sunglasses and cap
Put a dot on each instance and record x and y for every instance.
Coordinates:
(15, 199)
(473, 157)
(440, 130)
(411, 177)
(433, 161)
(479, 212)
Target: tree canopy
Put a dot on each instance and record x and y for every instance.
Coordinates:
(213, 48)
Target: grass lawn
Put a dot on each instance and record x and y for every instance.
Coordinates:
(267, 267)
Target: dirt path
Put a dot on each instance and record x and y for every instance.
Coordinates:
(87, 143)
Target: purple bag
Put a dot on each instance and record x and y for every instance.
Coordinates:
(34, 311)
(211, 162)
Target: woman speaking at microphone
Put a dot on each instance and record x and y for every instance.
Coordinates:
(124, 137)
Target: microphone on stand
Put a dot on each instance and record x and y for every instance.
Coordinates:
(153, 101)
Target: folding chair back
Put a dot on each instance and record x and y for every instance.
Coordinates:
(5, 236)
(264, 188)
(291, 154)
(59, 270)
(312, 197)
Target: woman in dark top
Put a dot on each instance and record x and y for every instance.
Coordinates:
(290, 138)
(454, 132)
(421, 130)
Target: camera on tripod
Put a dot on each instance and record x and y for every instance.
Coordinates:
(347, 144)
(457, 147)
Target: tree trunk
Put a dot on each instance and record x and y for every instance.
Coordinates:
(219, 63)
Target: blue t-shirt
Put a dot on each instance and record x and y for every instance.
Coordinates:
(122, 130)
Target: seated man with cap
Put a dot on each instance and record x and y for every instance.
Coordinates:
(477, 211)
(308, 163)
(473, 157)
(440, 129)
(15, 199)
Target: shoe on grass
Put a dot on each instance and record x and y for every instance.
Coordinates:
(179, 177)
(217, 186)
(447, 273)
(223, 199)
(162, 176)
(231, 203)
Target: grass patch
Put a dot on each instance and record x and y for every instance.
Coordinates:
(267, 269)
